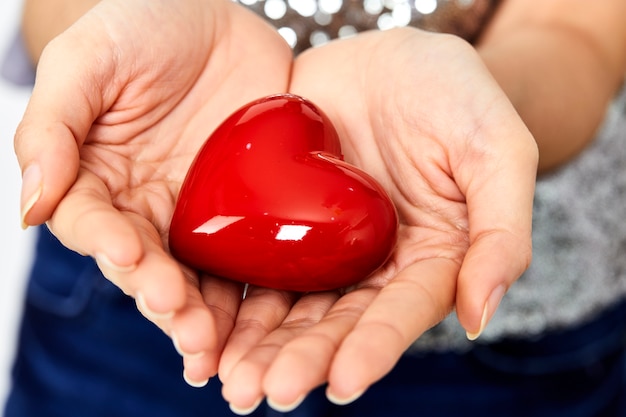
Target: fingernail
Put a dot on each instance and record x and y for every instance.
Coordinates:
(343, 400)
(32, 188)
(192, 383)
(152, 315)
(285, 408)
(105, 263)
(490, 308)
(245, 411)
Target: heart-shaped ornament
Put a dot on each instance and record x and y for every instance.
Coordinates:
(269, 201)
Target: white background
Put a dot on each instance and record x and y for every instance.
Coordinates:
(16, 244)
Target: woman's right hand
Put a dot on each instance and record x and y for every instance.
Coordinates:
(123, 100)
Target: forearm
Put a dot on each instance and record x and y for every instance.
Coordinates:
(560, 69)
(42, 20)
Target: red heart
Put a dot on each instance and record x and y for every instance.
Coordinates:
(269, 201)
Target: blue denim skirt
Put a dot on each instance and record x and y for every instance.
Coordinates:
(85, 351)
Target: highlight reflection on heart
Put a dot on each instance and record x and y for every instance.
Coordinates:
(269, 201)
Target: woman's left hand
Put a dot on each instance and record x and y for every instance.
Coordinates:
(420, 113)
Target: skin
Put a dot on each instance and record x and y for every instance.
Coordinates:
(560, 63)
(38, 29)
(103, 152)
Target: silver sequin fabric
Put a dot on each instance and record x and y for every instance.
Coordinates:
(306, 23)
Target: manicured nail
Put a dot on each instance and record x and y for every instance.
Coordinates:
(32, 188)
(245, 411)
(153, 315)
(176, 344)
(490, 308)
(333, 398)
(285, 408)
(192, 383)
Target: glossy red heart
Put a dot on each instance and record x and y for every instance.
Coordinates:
(269, 201)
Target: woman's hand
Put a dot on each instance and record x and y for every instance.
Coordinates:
(123, 100)
(420, 113)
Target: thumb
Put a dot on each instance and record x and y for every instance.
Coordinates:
(492, 264)
(65, 101)
(499, 195)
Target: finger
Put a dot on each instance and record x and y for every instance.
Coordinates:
(420, 296)
(498, 181)
(263, 311)
(223, 298)
(194, 333)
(182, 327)
(201, 330)
(303, 363)
(46, 175)
(248, 352)
(64, 103)
(492, 264)
(126, 246)
(243, 388)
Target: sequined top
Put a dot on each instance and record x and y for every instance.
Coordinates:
(306, 23)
